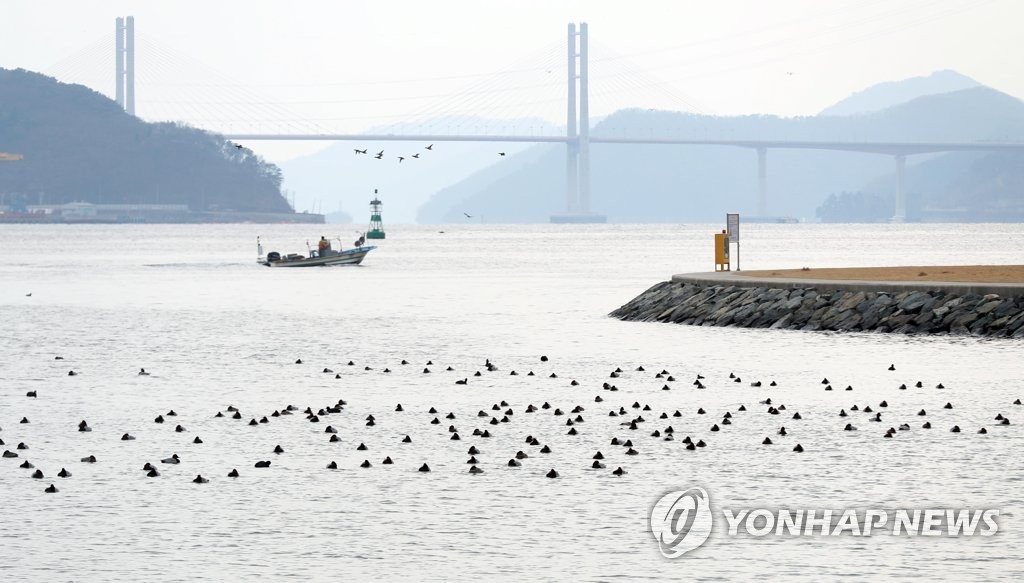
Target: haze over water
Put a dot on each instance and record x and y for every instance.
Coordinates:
(190, 305)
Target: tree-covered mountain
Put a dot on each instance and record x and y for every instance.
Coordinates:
(677, 183)
(962, 187)
(78, 145)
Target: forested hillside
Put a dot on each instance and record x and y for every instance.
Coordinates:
(78, 145)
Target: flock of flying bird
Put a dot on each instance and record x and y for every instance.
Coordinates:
(501, 415)
(380, 155)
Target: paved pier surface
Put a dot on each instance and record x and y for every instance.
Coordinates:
(736, 278)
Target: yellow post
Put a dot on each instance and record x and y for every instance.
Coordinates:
(722, 251)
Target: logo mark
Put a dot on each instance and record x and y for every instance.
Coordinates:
(681, 521)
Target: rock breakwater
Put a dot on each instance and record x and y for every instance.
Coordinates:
(935, 311)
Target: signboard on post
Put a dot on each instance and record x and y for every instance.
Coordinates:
(732, 224)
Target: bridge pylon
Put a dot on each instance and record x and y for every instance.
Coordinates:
(124, 63)
(577, 145)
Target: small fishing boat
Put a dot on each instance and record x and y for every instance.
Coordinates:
(322, 255)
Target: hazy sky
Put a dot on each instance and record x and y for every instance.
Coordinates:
(237, 65)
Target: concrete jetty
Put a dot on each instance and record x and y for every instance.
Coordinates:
(902, 307)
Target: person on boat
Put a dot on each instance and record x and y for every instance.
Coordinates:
(359, 242)
(324, 245)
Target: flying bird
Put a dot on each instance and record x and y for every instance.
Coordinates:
(358, 151)
(501, 153)
(416, 155)
(239, 146)
(379, 155)
(468, 216)
(430, 147)
(400, 158)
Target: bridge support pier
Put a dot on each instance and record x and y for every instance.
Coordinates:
(762, 182)
(901, 195)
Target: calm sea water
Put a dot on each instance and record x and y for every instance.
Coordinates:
(189, 304)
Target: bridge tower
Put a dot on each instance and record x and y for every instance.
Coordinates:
(124, 59)
(577, 147)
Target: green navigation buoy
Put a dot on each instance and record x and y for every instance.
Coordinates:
(376, 226)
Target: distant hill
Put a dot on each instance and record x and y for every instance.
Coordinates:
(885, 95)
(78, 145)
(673, 183)
(338, 217)
(959, 187)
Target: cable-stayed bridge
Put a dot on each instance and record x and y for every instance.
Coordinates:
(535, 89)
